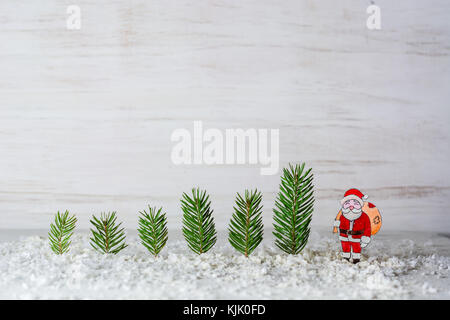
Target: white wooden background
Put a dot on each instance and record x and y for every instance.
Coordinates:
(86, 116)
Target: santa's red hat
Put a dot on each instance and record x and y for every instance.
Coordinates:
(354, 194)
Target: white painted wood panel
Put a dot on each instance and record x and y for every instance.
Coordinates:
(86, 116)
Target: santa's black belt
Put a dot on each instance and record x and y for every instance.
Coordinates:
(351, 233)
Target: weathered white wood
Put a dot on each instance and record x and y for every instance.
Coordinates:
(86, 116)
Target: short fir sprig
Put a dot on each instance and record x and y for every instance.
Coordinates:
(61, 231)
(246, 226)
(153, 230)
(293, 209)
(107, 237)
(198, 223)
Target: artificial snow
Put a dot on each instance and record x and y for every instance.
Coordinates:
(389, 269)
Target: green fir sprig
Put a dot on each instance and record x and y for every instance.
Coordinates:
(246, 226)
(293, 209)
(107, 237)
(153, 230)
(198, 223)
(61, 231)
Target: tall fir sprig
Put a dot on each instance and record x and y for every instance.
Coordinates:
(246, 226)
(61, 231)
(107, 237)
(293, 209)
(198, 223)
(153, 229)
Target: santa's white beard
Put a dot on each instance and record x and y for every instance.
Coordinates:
(351, 214)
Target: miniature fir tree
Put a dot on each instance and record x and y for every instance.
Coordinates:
(198, 223)
(107, 237)
(153, 230)
(293, 209)
(246, 226)
(61, 231)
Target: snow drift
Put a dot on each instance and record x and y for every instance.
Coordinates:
(389, 269)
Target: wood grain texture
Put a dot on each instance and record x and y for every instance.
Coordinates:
(86, 116)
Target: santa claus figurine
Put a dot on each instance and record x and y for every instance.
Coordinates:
(353, 225)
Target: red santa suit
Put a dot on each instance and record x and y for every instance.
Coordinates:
(354, 233)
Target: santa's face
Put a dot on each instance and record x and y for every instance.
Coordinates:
(351, 209)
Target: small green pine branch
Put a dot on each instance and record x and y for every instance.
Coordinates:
(107, 237)
(293, 209)
(153, 230)
(198, 223)
(61, 231)
(246, 226)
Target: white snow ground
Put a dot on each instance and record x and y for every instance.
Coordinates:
(86, 118)
(392, 268)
